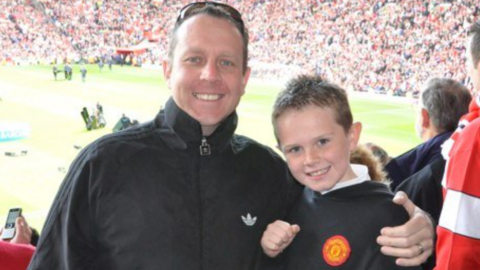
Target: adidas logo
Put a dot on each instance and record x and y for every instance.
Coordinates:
(248, 220)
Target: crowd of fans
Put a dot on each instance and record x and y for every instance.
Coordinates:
(382, 46)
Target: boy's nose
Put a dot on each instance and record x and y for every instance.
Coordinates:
(311, 157)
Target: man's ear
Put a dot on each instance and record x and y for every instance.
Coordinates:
(167, 71)
(425, 118)
(246, 76)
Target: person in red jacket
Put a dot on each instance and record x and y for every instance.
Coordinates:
(15, 254)
(458, 245)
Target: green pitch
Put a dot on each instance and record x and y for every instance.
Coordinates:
(52, 110)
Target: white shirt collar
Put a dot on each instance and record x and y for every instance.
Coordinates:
(361, 171)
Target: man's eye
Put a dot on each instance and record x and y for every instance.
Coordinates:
(226, 63)
(194, 60)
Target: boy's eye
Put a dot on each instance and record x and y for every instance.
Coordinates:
(323, 141)
(294, 149)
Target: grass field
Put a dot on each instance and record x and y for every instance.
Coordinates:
(52, 110)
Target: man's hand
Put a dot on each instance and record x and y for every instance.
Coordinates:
(277, 237)
(412, 242)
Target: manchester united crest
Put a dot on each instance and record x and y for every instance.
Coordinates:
(336, 250)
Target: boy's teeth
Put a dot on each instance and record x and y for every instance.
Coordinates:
(318, 172)
(207, 96)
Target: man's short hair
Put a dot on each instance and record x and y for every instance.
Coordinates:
(216, 11)
(445, 100)
(308, 90)
(474, 32)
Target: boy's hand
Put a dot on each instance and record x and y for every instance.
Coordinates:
(277, 237)
(412, 242)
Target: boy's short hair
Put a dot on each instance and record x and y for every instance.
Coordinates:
(308, 90)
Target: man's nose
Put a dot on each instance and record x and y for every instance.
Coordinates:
(211, 72)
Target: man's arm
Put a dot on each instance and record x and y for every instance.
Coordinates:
(412, 242)
(65, 242)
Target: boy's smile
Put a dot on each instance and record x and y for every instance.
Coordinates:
(316, 147)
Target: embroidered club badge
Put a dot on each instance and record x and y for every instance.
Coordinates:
(336, 250)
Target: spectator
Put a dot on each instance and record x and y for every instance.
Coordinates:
(406, 42)
(458, 245)
(15, 254)
(364, 156)
(176, 192)
(441, 105)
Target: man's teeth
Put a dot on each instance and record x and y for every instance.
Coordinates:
(207, 96)
(318, 172)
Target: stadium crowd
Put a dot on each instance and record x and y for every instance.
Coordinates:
(362, 45)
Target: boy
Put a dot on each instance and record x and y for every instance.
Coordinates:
(340, 212)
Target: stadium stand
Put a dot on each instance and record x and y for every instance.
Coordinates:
(387, 47)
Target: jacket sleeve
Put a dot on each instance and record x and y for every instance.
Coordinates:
(458, 244)
(66, 241)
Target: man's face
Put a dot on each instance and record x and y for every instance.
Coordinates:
(419, 117)
(206, 73)
(316, 147)
(472, 70)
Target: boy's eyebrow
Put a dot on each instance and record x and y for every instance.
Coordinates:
(323, 136)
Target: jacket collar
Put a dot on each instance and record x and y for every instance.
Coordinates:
(179, 129)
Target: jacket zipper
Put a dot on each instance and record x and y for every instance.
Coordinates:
(204, 151)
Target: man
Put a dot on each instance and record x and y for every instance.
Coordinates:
(441, 105)
(183, 191)
(55, 71)
(458, 245)
(83, 72)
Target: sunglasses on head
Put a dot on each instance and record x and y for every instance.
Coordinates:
(190, 8)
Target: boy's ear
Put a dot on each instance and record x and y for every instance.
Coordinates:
(355, 131)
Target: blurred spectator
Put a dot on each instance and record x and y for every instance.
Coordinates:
(364, 156)
(15, 254)
(441, 105)
(458, 245)
(380, 46)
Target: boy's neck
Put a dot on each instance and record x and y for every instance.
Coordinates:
(360, 175)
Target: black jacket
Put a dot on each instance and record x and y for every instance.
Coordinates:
(145, 198)
(412, 161)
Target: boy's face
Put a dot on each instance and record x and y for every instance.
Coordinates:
(316, 147)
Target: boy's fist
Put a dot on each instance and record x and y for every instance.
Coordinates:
(278, 237)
